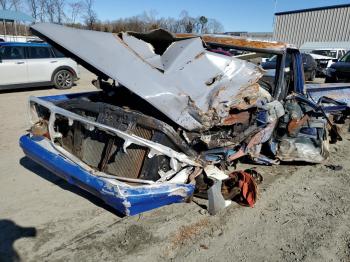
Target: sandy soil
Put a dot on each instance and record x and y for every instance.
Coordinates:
(303, 212)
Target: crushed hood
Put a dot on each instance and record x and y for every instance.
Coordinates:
(194, 87)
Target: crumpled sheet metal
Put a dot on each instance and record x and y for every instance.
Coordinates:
(296, 149)
(193, 87)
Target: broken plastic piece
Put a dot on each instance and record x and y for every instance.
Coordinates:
(216, 201)
(248, 186)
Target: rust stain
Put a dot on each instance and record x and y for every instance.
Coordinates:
(241, 117)
(237, 155)
(199, 55)
(247, 97)
(239, 42)
(295, 124)
(262, 135)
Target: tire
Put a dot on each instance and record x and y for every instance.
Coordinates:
(63, 79)
(312, 75)
(328, 80)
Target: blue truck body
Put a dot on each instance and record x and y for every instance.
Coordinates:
(134, 198)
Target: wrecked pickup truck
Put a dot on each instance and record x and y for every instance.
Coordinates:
(171, 117)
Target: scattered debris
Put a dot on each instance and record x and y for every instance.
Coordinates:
(204, 246)
(248, 188)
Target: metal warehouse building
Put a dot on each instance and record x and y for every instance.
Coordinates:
(324, 24)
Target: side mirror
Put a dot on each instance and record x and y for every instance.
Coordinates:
(335, 60)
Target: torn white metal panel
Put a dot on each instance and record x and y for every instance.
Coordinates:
(145, 50)
(110, 55)
(196, 87)
(215, 173)
(179, 53)
(216, 201)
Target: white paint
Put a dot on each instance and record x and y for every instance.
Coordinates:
(182, 91)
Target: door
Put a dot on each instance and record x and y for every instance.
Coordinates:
(41, 64)
(13, 65)
(343, 68)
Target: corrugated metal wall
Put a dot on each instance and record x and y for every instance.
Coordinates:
(331, 24)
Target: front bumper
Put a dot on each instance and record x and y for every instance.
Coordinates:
(125, 198)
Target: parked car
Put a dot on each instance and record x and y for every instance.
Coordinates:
(334, 53)
(35, 64)
(325, 57)
(309, 63)
(339, 71)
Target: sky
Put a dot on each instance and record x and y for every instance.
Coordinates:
(235, 15)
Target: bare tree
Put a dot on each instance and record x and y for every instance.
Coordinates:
(34, 8)
(75, 8)
(214, 26)
(50, 10)
(38, 9)
(17, 4)
(42, 10)
(90, 16)
(4, 4)
(186, 23)
(140, 23)
(203, 21)
(59, 6)
(10, 4)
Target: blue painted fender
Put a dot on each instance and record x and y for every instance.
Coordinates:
(125, 198)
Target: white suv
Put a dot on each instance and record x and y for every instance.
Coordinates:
(35, 64)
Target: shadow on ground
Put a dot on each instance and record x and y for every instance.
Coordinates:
(9, 233)
(49, 176)
(27, 89)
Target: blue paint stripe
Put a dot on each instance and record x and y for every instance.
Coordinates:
(139, 198)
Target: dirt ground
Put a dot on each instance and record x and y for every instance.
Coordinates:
(303, 212)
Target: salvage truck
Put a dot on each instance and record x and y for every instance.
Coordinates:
(171, 118)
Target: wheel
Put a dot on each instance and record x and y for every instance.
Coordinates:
(330, 80)
(312, 75)
(63, 79)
